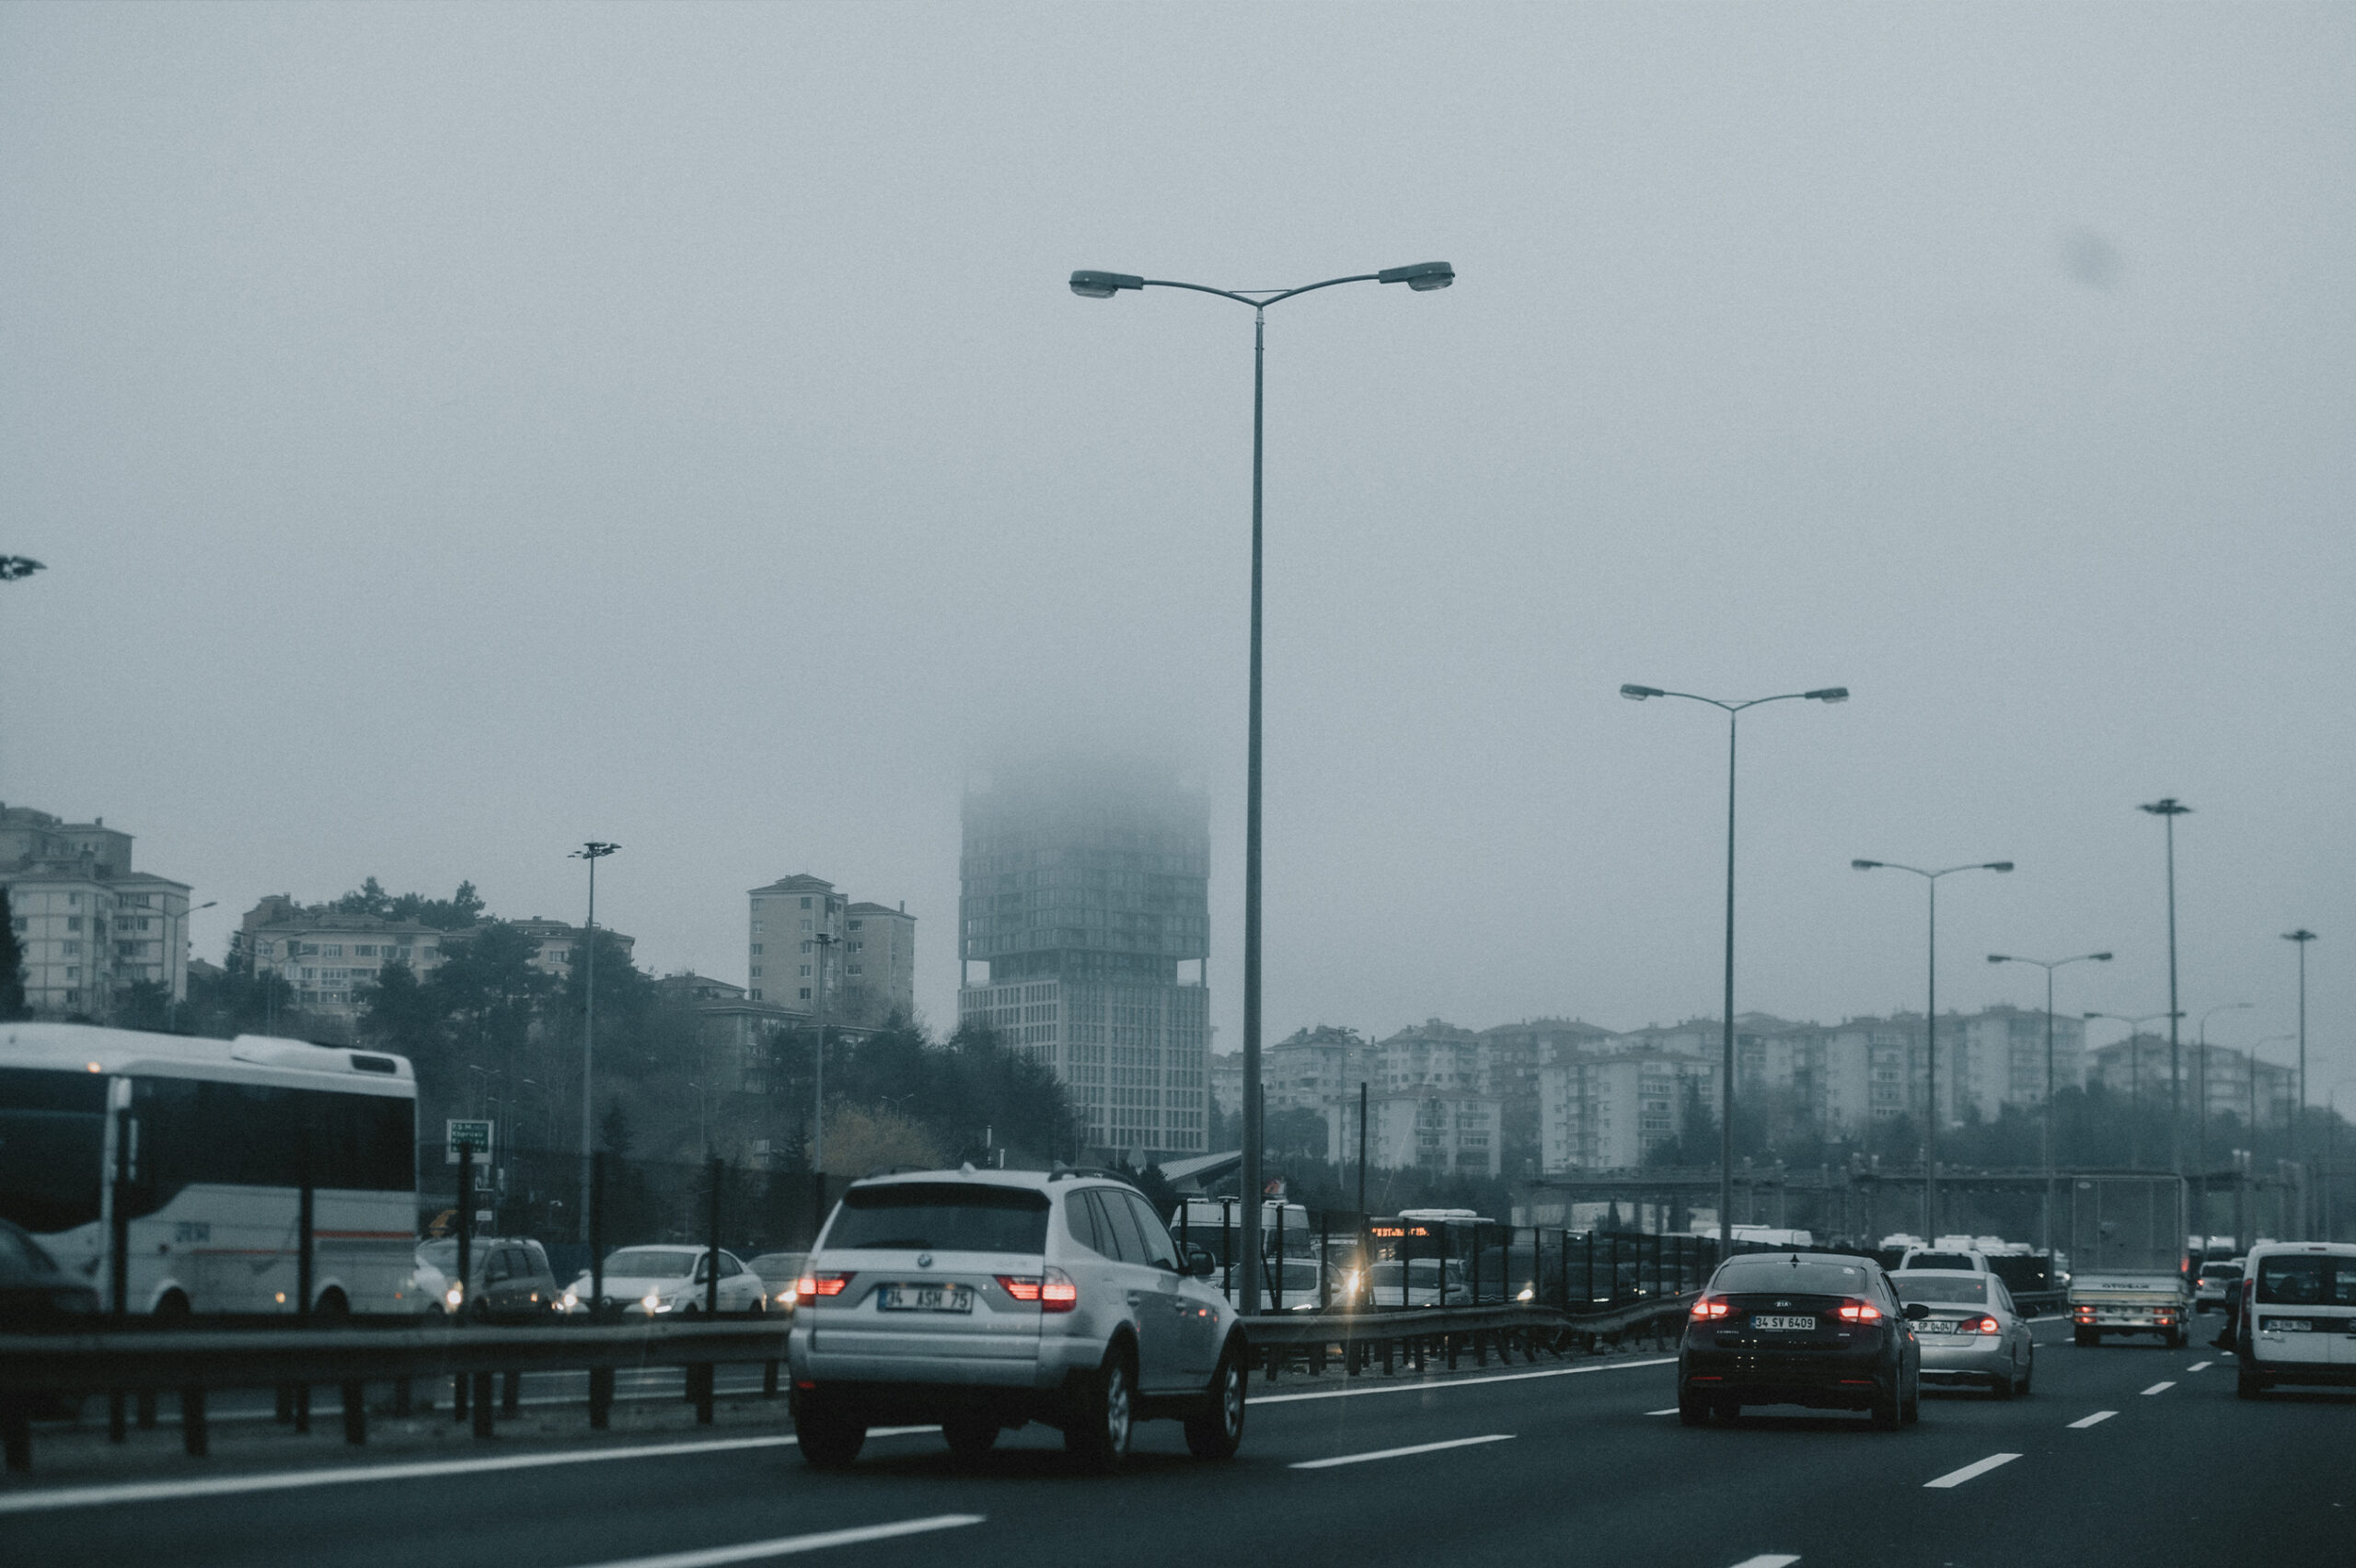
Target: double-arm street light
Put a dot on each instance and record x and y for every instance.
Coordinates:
(2200, 1111)
(1422, 277)
(2134, 1079)
(2303, 937)
(1733, 711)
(592, 852)
(2167, 810)
(2045, 1132)
(1931, 1029)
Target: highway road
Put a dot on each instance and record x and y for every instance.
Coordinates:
(2125, 1454)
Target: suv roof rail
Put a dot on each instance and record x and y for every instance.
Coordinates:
(1065, 1173)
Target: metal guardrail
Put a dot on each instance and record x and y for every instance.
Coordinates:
(145, 1363)
(1422, 1335)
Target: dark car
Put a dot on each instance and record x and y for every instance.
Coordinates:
(512, 1281)
(1817, 1329)
(35, 1293)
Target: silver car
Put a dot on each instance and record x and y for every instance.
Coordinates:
(985, 1300)
(1974, 1335)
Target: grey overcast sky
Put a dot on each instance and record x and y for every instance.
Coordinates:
(456, 431)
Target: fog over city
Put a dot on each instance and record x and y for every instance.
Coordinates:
(452, 433)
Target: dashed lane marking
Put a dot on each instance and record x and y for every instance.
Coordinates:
(1978, 1468)
(1434, 1385)
(1399, 1453)
(347, 1475)
(2094, 1420)
(788, 1546)
(2200, 1367)
(1770, 1559)
(2161, 1388)
(1672, 1411)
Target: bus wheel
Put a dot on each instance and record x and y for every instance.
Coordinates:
(172, 1312)
(333, 1307)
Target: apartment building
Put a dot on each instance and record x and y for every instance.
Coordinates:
(326, 957)
(88, 925)
(1427, 1129)
(1084, 935)
(1609, 1111)
(560, 945)
(805, 941)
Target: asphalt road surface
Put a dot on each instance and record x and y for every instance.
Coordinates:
(2125, 1454)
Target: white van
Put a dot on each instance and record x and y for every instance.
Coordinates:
(2298, 1319)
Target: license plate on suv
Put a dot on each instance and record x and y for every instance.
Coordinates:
(1770, 1323)
(927, 1299)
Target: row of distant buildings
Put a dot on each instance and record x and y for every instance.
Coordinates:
(1557, 1095)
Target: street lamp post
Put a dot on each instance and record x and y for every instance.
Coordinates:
(593, 851)
(179, 958)
(2201, 1112)
(2271, 1039)
(2045, 1132)
(1931, 1029)
(821, 944)
(2301, 936)
(1733, 711)
(2332, 1155)
(1422, 277)
(2134, 1081)
(2167, 810)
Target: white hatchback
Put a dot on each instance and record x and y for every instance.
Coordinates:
(2298, 1316)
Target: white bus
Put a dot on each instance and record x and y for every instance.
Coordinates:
(202, 1148)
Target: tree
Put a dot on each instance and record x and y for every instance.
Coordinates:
(454, 913)
(860, 1139)
(12, 964)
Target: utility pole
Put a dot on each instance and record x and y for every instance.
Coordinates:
(2167, 810)
(592, 852)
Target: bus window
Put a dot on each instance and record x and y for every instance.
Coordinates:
(52, 1142)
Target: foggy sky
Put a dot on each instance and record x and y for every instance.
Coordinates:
(456, 431)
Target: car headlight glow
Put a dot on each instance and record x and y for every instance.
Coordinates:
(454, 1296)
(570, 1301)
(651, 1301)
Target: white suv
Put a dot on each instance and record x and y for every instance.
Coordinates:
(983, 1299)
(2298, 1316)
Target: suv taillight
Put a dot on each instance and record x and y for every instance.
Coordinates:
(1056, 1292)
(809, 1287)
(1023, 1288)
(1710, 1306)
(1860, 1312)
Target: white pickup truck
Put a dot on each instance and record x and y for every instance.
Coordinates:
(2133, 1278)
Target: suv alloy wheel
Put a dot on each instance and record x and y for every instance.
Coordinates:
(1099, 1434)
(1216, 1430)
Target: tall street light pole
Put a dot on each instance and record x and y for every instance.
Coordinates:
(821, 945)
(2167, 810)
(179, 960)
(1733, 711)
(2301, 936)
(2045, 1132)
(1422, 277)
(2134, 1080)
(592, 852)
(1931, 1029)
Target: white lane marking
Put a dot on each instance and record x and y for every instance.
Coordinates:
(2161, 1388)
(788, 1546)
(1978, 1468)
(1672, 1411)
(2094, 1420)
(1432, 1385)
(1400, 1453)
(2200, 1367)
(1770, 1559)
(281, 1480)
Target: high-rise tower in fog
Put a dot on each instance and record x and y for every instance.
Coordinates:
(1083, 929)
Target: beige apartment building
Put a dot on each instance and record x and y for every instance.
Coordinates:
(325, 957)
(802, 934)
(88, 925)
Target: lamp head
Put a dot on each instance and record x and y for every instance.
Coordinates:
(1103, 285)
(1828, 694)
(1422, 277)
(1864, 865)
(2099, 957)
(1998, 958)
(2167, 806)
(1638, 693)
(1998, 866)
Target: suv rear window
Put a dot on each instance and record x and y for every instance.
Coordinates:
(1826, 1278)
(944, 1215)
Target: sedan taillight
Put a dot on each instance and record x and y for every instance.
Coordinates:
(811, 1287)
(1984, 1324)
(1710, 1306)
(1860, 1312)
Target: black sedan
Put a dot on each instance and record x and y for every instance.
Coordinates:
(1816, 1329)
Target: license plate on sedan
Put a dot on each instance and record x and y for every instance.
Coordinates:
(927, 1299)
(1770, 1323)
